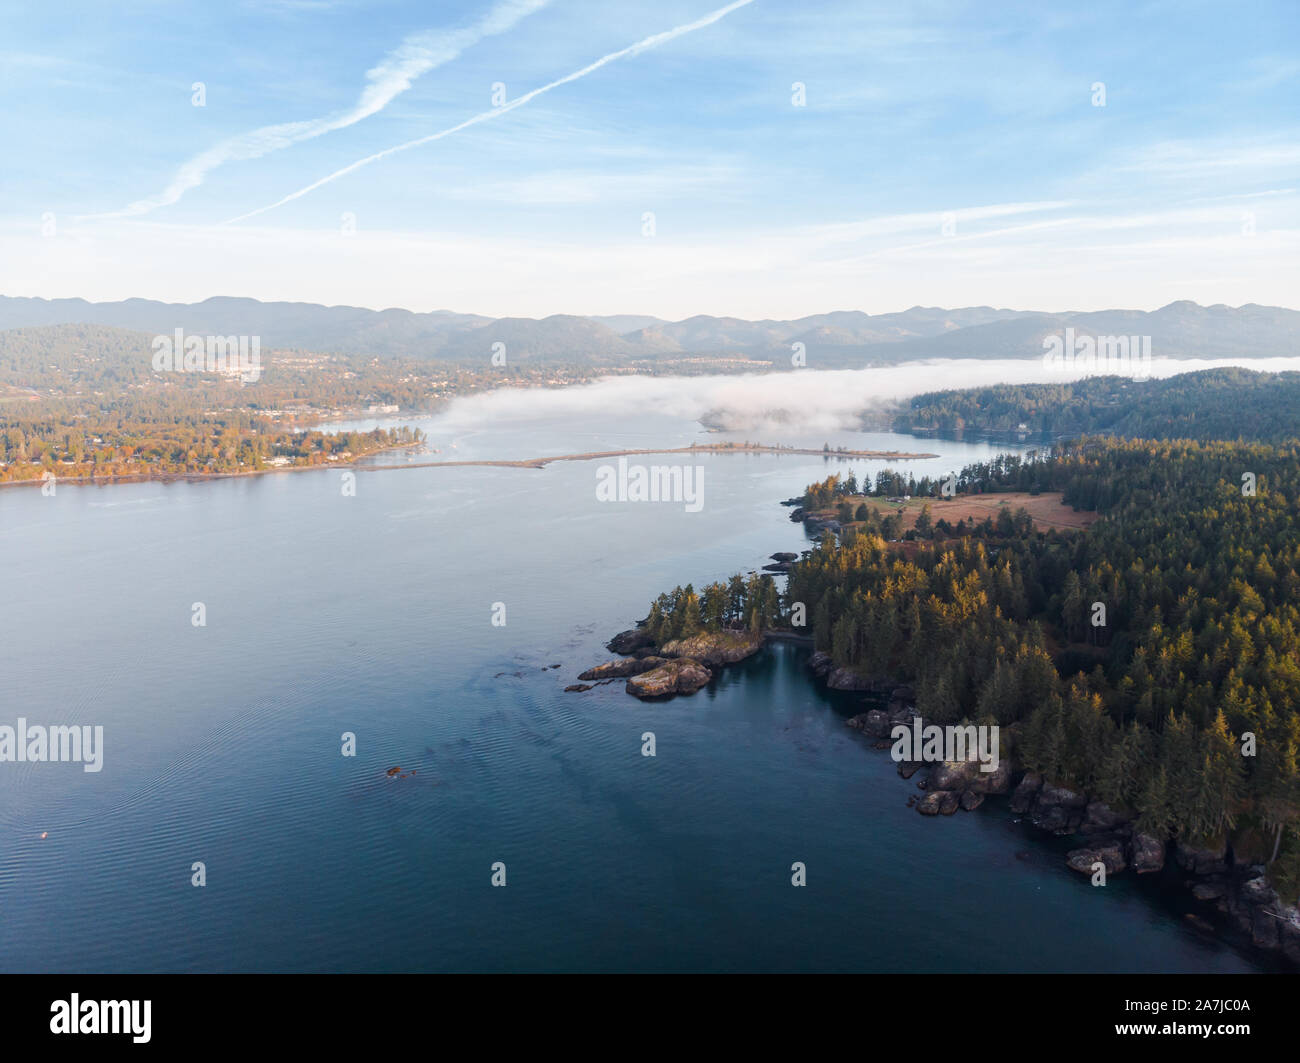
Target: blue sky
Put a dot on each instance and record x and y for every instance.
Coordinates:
(946, 154)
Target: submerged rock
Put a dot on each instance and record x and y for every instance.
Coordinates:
(578, 688)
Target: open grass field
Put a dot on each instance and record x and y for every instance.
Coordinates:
(1047, 510)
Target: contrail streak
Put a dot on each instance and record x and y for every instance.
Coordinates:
(632, 49)
(394, 74)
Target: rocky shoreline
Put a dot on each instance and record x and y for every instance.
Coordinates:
(1240, 893)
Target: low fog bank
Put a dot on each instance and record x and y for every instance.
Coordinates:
(799, 401)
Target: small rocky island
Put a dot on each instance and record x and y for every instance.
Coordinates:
(678, 666)
(688, 637)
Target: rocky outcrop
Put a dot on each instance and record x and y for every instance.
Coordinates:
(715, 648)
(784, 555)
(577, 688)
(621, 669)
(681, 676)
(1202, 860)
(1289, 933)
(626, 642)
(938, 803)
(1058, 810)
(970, 800)
(1108, 852)
(1241, 892)
(874, 723)
(679, 666)
(820, 663)
(819, 524)
(1210, 890)
(844, 679)
(1245, 895)
(966, 775)
(1146, 854)
(1100, 818)
(1026, 792)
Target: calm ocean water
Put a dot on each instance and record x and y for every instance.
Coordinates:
(372, 614)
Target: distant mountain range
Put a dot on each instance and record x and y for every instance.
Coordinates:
(842, 339)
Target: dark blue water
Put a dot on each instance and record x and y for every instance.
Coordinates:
(372, 615)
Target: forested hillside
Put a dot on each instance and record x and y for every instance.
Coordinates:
(1152, 661)
(1211, 404)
